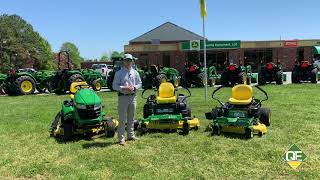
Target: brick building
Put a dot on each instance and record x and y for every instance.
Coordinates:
(174, 46)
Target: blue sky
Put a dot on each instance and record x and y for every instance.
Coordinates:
(99, 26)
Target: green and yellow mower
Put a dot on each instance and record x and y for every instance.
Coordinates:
(167, 111)
(82, 115)
(242, 114)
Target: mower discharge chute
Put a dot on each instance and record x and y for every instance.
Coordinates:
(167, 111)
(82, 115)
(242, 114)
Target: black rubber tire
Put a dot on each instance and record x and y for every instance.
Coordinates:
(294, 76)
(261, 78)
(143, 129)
(265, 116)
(248, 134)
(94, 85)
(216, 130)
(17, 85)
(224, 79)
(279, 77)
(185, 128)
(110, 129)
(67, 131)
(74, 78)
(240, 78)
(145, 111)
(314, 75)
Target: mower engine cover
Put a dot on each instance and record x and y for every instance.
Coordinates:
(88, 108)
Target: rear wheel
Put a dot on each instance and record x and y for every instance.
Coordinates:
(96, 85)
(265, 116)
(279, 78)
(294, 77)
(224, 79)
(314, 75)
(74, 78)
(261, 78)
(25, 85)
(241, 78)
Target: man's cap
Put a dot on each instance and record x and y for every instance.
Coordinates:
(128, 57)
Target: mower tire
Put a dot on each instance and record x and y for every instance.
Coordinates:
(216, 130)
(110, 129)
(74, 78)
(248, 133)
(185, 128)
(96, 85)
(265, 116)
(241, 78)
(261, 78)
(67, 131)
(279, 79)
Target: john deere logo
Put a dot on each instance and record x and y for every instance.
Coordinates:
(195, 45)
(294, 157)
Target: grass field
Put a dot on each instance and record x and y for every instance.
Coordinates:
(27, 151)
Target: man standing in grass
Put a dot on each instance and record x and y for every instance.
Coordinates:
(126, 82)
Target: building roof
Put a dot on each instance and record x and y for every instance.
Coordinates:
(167, 32)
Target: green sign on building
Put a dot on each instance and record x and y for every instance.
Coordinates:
(189, 45)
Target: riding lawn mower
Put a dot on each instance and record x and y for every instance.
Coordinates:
(269, 73)
(167, 111)
(82, 115)
(242, 114)
(305, 71)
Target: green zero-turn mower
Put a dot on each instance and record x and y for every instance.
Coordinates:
(60, 83)
(82, 115)
(242, 114)
(270, 72)
(167, 111)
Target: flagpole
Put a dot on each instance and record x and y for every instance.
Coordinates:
(205, 60)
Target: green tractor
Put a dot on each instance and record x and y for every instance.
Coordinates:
(117, 65)
(60, 83)
(167, 111)
(19, 83)
(82, 115)
(195, 76)
(305, 71)
(95, 79)
(269, 73)
(42, 78)
(243, 114)
(234, 74)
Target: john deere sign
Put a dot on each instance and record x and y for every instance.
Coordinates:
(194, 45)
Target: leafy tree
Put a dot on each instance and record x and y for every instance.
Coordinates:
(74, 53)
(116, 54)
(104, 57)
(20, 43)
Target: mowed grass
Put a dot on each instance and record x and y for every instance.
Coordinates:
(27, 151)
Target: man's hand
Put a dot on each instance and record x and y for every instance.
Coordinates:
(128, 89)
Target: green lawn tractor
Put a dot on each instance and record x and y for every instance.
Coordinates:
(269, 73)
(153, 77)
(42, 78)
(167, 111)
(243, 114)
(117, 65)
(234, 74)
(60, 83)
(82, 115)
(305, 71)
(95, 79)
(3, 78)
(19, 83)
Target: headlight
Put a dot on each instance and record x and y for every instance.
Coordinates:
(81, 106)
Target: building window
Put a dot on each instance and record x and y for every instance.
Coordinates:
(257, 57)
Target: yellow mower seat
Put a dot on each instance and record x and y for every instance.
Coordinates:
(241, 95)
(74, 87)
(166, 94)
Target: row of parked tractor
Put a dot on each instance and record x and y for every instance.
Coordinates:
(27, 81)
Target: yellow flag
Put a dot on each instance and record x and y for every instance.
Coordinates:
(203, 8)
